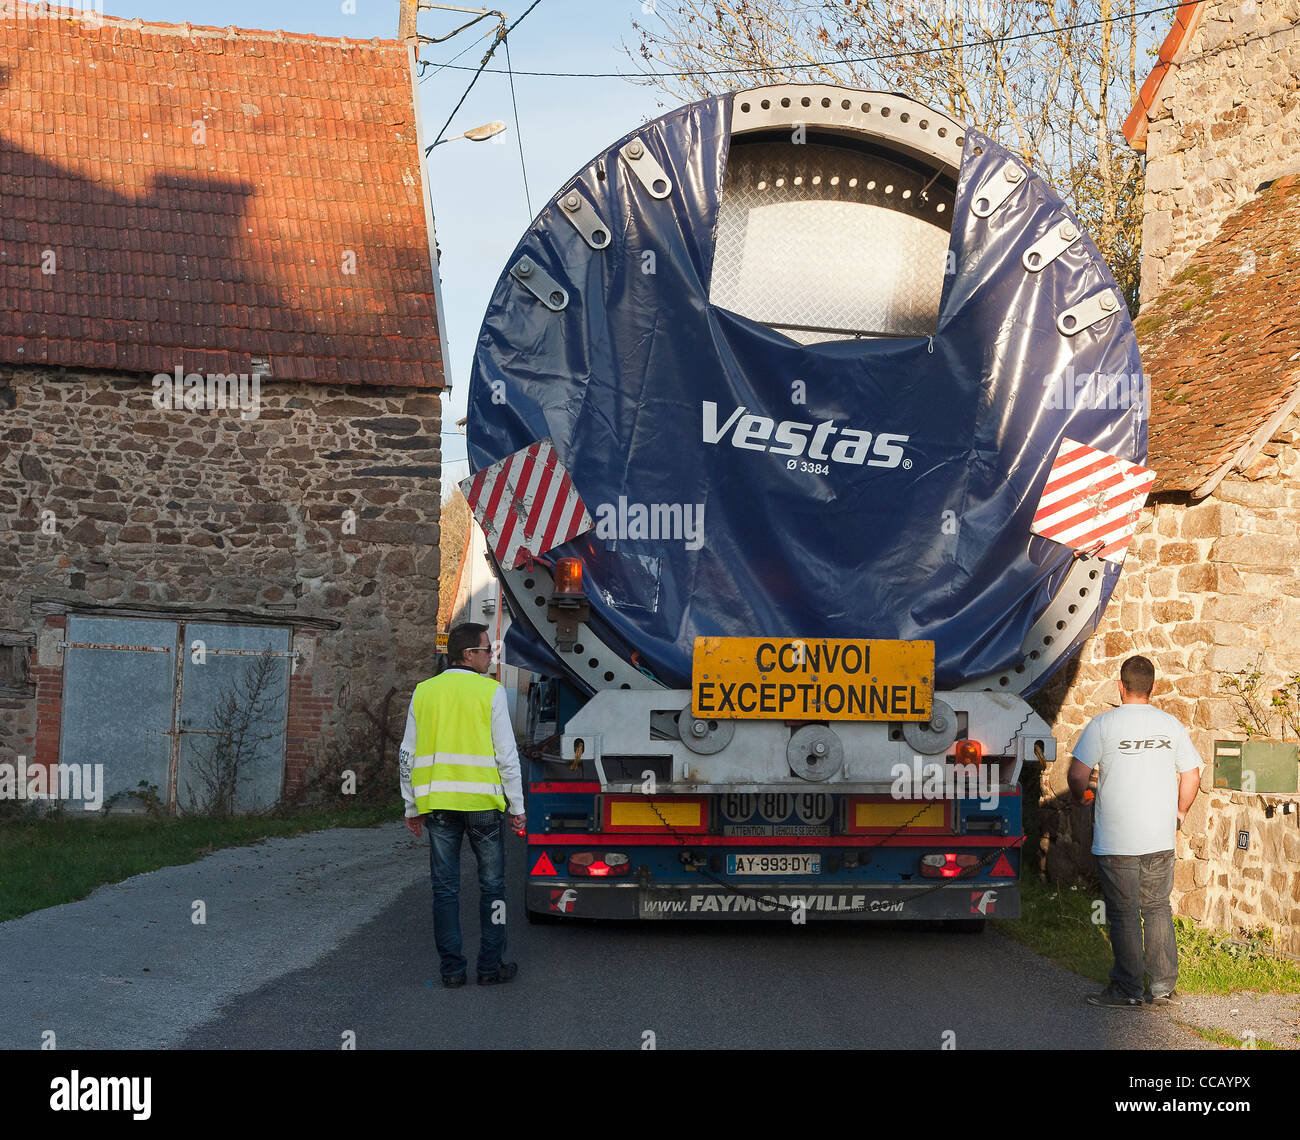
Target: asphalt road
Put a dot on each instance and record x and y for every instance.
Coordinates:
(311, 938)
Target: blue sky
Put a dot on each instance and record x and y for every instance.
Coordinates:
(478, 194)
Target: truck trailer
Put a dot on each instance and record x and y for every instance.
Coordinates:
(806, 427)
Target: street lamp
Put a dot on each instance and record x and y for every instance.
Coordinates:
(474, 134)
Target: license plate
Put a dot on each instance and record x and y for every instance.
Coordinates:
(774, 864)
(790, 678)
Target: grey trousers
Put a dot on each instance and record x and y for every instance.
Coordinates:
(1136, 889)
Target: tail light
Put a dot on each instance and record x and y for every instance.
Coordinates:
(946, 865)
(597, 865)
(568, 576)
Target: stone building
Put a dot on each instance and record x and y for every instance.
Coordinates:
(1211, 584)
(220, 371)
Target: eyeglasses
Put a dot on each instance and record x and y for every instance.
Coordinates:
(480, 649)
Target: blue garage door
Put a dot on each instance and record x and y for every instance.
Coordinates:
(208, 732)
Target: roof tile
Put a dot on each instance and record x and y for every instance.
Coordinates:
(171, 250)
(1221, 346)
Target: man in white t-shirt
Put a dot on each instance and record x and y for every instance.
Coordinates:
(1148, 777)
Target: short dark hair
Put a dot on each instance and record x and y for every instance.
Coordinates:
(462, 637)
(1138, 676)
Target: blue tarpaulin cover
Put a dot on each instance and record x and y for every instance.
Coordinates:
(934, 546)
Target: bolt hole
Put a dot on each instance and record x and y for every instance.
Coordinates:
(609, 676)
(599, 236)
(943, 132)
(1060, 625)
(528, 583)
(785, 102)
(539, 600)
(904, 117)
(557, 298)
(592, 663)
(805, 101)
(745, 107)
(977, 150)
(845, 104)
(765, 104)
(961, 141)
(1035, 258)
(982, 205)
(826, 102)
(1069, 322)
(866, 106)
(925, 124)
(660, 186)
(884, 112)
(625, 686)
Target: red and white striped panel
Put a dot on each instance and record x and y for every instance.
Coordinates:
(526, 504)
(1092, 500)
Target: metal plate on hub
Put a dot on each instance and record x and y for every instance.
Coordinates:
(703, 735)
(815, 752)
(932, 736)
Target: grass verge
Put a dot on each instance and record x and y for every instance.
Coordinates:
(58, 860)
(1226, 1039)
(1057, 922)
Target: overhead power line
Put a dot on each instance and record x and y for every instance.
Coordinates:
(688, 72)
(502, 33)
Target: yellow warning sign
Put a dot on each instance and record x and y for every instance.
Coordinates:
(791, 678)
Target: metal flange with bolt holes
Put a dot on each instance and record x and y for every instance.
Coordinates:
(704, 737)
(815, 752)
(1064, 619)
(585, 220)
(540, 284)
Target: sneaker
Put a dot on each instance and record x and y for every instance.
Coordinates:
(1113, 999)
(455, 980)
(1164, 999)
(505, 974)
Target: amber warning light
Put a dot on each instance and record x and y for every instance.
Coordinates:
(568, 576)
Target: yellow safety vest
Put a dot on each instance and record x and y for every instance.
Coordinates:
(455, 766)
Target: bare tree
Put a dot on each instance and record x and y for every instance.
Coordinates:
(451, 550)
(241, 722)
(1051, 80)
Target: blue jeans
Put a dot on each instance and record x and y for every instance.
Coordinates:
(1133, 886)
(487, 839)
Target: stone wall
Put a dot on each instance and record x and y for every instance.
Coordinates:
(108, 501)
(1207, 588)
(1227, 119)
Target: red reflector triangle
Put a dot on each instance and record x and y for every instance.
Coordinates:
(1001, 867)
(544, 866)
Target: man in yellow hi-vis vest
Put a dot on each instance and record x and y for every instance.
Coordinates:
(459, 773)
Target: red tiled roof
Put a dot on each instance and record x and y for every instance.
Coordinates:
(1185, 20)
(200, 191)
(1221, 345)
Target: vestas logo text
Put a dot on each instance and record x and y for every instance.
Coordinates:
(790, 437)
